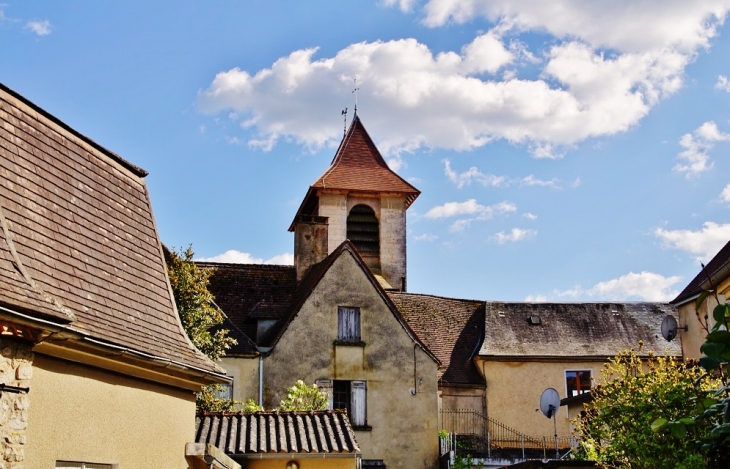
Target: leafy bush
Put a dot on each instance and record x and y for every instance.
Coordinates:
(303, 397)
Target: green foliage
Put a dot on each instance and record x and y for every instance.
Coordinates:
(207, 400)
(251, 406)
(712, 406)
(198, 314)
(303, 397)
(616, 427)
(195, 304)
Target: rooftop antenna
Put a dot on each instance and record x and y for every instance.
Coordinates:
(355, 92)
(344, 126)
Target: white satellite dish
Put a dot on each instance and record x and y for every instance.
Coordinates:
(549, 402)
(670, 327)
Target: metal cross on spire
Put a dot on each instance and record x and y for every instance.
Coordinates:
(355, 92)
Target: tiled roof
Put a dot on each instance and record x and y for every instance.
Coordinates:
(357, 166)
(324, 431)
(717, 269)
(79, 242)
(247, 292)
(451, 328)
(575, 329)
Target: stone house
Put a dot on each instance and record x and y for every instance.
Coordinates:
(329, 318)
(96, 370)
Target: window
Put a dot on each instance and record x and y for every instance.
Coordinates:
(225, 391)
(350, 396)
(348, 324)
(577, 382)
(363, 230)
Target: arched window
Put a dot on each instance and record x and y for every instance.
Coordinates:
(363, 230)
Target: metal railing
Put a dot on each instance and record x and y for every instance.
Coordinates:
(471, 431)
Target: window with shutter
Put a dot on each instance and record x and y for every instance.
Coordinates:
(348, 324)
(359, 403)
(325, 385)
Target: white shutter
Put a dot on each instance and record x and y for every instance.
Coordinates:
(359, 403)
(348, 323)
(325, 385)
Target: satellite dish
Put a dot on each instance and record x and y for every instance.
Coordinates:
(669, 327)
(549, 402)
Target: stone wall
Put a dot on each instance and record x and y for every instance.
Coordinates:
(334, 207)
(15, 370)
(393, 240)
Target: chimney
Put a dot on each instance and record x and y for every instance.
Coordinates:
(310, 242)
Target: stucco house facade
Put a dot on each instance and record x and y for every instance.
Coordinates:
(95, 368)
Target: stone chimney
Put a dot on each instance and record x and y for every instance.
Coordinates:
(310, 242)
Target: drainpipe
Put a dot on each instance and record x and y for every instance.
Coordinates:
(262, 351)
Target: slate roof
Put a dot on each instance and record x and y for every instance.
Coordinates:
(78, 244)
(248, 292)
(357, 166)
(324, 431)
(452, 329)
(717, 269)
(575, 329)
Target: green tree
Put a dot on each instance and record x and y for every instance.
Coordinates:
(711, 408)
(616, 428)
(303, 397)
(198, 315)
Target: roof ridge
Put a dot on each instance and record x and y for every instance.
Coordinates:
(436, 296)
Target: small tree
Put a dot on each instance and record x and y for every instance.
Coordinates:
(711, 407)
(616, 428)
(198, 315)
(303, 397)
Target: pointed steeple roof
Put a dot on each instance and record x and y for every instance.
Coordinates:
(358, 166)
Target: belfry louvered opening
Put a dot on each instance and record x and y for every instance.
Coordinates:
(363, 229)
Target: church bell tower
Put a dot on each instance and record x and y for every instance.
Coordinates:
(361, 199)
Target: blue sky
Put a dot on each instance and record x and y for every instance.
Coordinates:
(564, 152)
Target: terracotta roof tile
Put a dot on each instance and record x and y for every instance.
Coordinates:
(80, 222)
(450, 328)
(575, 329)
(324, 431)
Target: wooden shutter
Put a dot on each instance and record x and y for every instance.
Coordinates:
(325, 385)
(359, 403)
(348, 324)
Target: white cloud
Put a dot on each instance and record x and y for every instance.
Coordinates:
(627, 26)
(642, 286)
(237, 257)
(725, 194)
(516, 234)
(697, 146)
(533, 181)
(426, 237)
(723, 83)
(39, 27)
(473, 174)
(469, 207)
(601, 73)
(536, 299)
(703, 243)
(490, 180)
(529, 216)
(404, 5)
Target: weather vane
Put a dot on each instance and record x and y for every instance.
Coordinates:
(355, 92)
(344, 126)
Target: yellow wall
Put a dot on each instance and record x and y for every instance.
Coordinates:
(80, 413)
(514, 389)
(695, 335)
(404, 426)
(304, 463)
(245, 374)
